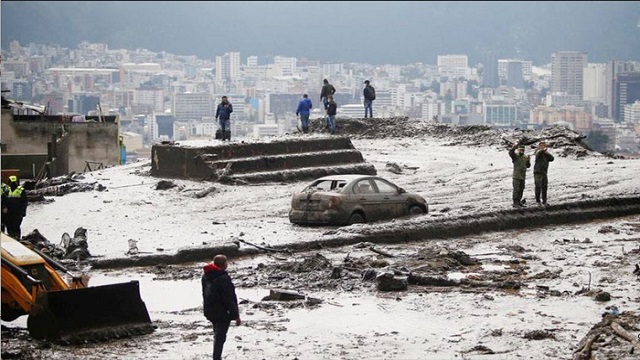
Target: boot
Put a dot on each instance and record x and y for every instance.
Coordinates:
(227, 135)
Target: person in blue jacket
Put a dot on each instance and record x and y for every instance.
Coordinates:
(223, 115)
(304, 110)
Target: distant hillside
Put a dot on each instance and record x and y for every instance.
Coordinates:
(375, 32)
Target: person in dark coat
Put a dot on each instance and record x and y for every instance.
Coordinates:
(332, 110)
(14, 207)
(521, 163)
(369, 94)
(327, 89)
(223, 113)
(543, 158)
(220, 303)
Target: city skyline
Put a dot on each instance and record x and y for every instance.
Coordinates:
(380, 33)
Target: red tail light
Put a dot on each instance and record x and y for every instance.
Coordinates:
(334, 202)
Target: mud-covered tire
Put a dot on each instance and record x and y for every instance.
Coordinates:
(356, 218)
(416, 210)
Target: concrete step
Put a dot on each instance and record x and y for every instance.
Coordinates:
(300, 158)
(287, 161)
(300, 174)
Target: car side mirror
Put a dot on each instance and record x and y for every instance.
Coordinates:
(401, 191)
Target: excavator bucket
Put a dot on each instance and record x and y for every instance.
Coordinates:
(89, 314)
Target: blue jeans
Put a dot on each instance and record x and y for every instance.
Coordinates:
(225, 125)
(331, 121)
(368, 104)
(304, 120)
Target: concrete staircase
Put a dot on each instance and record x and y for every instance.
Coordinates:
(291, 159)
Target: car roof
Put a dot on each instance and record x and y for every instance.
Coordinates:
(347, 177)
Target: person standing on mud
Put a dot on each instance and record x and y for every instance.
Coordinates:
(543, 158)
(220, 303)
(223, 113)
(332, 110)
(327, 90)
(304, 110)
(14, 207)
(369, 94)
(521, 163)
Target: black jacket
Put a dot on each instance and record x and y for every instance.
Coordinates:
(369, 93)
(332, 109)
(327, 90)
(14, 198)
(543, 158)
(218, 295)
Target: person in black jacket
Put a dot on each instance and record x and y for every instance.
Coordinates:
(332, 109)
(369, 94)
(327, 90)
(14, 207)
(220, 303)
(543, 158)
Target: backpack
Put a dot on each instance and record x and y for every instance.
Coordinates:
(371, 94)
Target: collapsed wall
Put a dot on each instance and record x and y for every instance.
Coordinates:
(293, 159)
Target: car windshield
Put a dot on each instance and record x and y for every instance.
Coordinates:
(327, 185)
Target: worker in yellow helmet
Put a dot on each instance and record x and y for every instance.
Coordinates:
(14, 207)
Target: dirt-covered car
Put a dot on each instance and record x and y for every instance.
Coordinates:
(349, 199)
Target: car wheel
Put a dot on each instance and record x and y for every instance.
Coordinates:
(356, 218)
(416, 210)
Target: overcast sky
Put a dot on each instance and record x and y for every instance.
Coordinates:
(387, 32)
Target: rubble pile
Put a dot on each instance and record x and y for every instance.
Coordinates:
(615, 337)
(59, 186)
(564, 141)
(76, 248)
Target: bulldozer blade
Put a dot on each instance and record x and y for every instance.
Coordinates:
(90, 314)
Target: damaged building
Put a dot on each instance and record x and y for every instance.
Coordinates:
(38, 145)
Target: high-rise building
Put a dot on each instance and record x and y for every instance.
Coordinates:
(192, 106)
(567, 71)
(515, 76)
(615, 67)
(626, 90)
(490, 77)
(632, 112)
(594, 83)
(503, 65)
(228, 66)
(454, 66)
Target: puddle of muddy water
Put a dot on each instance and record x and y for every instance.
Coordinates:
(356, 326)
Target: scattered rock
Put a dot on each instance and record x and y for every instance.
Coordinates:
(389, 282)
(602, 296)
(539, 335)
(165, 185)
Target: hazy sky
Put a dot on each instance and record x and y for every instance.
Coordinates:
(376, 32)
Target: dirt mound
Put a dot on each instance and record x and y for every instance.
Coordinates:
(564, 141)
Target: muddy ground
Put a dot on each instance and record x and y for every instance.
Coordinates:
(517, 293)
(520, 294)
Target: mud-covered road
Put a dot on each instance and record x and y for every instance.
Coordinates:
(482, 280)
(502, 295)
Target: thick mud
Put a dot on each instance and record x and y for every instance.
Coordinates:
(473, 279)
(405, 230)
(532, 293)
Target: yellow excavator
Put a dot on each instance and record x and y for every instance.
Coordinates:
(63, 312)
